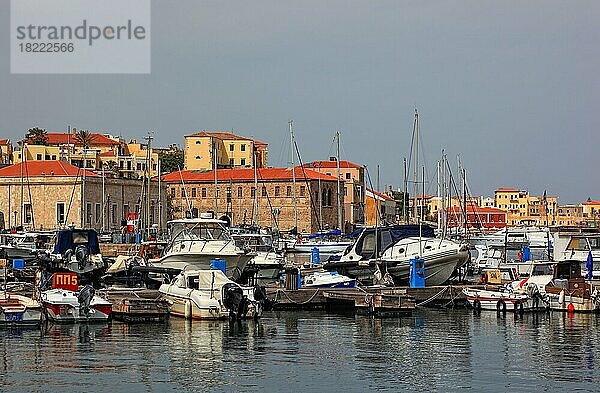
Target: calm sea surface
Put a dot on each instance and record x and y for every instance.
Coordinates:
(311, 351)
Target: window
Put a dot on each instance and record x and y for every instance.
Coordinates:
(264, 191)
(38, 157)
(240, 192)
(231, 147)
(113, 214)
(198, 142)
(172, 192)
(228, 194)
(252, 192)
(125, 210)
(88, 213)
(276, 191)
(243, 161)
(54, 156)
(60, 213)
(28, 212)
(47, 157)
(243, 147)
(345, 191)
(203, 192)
(288, 191)
(302, 190)
(347, 175)
(193, 192)
(231, 161)
(139, 166)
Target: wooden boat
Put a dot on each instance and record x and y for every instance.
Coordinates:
(569, 291)
(17, 310)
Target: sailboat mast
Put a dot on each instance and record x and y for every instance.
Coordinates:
(339, 197)
(292, 143)
(215, 164)
(148, 166)
(416, 171)
(404, 207)
(255, 201)
(439, 215)
(320, 200)
(103, 199)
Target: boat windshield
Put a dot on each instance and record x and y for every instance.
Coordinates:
(198, 231)
(578, 244)
(545, 269)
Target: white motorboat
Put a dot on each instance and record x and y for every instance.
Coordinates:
(327, 280)
(578, 246)
(195, 242)
(567, 290)
(63, 305)
(266, 265)
(209, 294)
(503, 299)
(17, 310)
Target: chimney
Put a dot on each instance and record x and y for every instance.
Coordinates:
(333, 158)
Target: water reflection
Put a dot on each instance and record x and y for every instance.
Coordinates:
(443, 350)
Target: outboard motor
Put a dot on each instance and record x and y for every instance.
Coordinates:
(85, 299)
(81, 255)
(235, 301)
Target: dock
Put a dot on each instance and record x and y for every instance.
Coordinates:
(375, 300)
(136, 305)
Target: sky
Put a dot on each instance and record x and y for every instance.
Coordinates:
(512, 87)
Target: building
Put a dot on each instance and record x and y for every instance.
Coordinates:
(52, 194)
(236, 196)
(524, 208)
(590, 210)
(205, 150)
(376, 202)
(479, 218)
(6, 151)
(104, 151)
(352, 183)
(569, 215)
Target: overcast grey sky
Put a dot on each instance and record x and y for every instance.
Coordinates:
(511, 86)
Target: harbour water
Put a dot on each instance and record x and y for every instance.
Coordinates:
(433, 350)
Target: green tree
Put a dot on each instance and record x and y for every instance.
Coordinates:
(401, 210)
(85, 138)
(36, 136)
(171, 161)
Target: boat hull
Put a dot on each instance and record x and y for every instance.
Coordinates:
(234, 263)
(483, 299)
(18, 310)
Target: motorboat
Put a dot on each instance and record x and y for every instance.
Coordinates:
(25, 245)
(515, 238)
(327, 280)
(75, 250)
(569, 291)
(265, 267)
(66, 301)
(194, 242)
(500, 299)
(327, 242)
(578, 246)
(442, 258)
(17, 310)
(209, 294)
(370, 243)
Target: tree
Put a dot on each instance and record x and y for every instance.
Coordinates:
(110, 166)
(401, 210)
(171, 161)
(84, 137)
(36, 136)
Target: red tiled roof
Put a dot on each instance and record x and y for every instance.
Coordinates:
(4, 141)
(56, 138)
(380, 195)
(226, 135)
(44, 168)
(331, 164)
(424, 196)
(244, 174)
(109, 153)
(503, 189)
(592, 202)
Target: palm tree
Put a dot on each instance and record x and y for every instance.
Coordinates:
(84, 137)
(36, 136)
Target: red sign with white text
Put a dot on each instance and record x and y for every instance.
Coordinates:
(66, 280)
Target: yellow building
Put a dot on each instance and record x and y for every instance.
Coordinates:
(203, 150)
(36, 153)
(524, 208)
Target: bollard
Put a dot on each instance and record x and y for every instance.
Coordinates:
(291, 278)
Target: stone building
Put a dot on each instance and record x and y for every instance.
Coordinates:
(6, 151)
(273, 205)
(52, 194)
(352, 178)
(203, 150)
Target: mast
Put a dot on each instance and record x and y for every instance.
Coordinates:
(83, 212)
(416, 170)
(159, 198)
(148, 195)
(464, 191)
(103, 199)
(320, 200)
(339, 198)
(378, 190)
(443, 182)
(405, 210)
(255, 202)
(439, 215)
(292, 143)
(215, 163)
(23, 159)
(421, 216)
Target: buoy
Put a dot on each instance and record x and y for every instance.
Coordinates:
(570, 308)
(561, 297)
(188, 309)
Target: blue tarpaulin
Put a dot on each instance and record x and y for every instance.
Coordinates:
(589, 264)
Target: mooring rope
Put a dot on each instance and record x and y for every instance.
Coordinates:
(294, 301)
(432, 298)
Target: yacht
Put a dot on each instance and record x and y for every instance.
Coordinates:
(578, 246)
(267, 264)
(194, 242)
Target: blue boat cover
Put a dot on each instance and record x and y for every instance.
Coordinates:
(69, 239)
